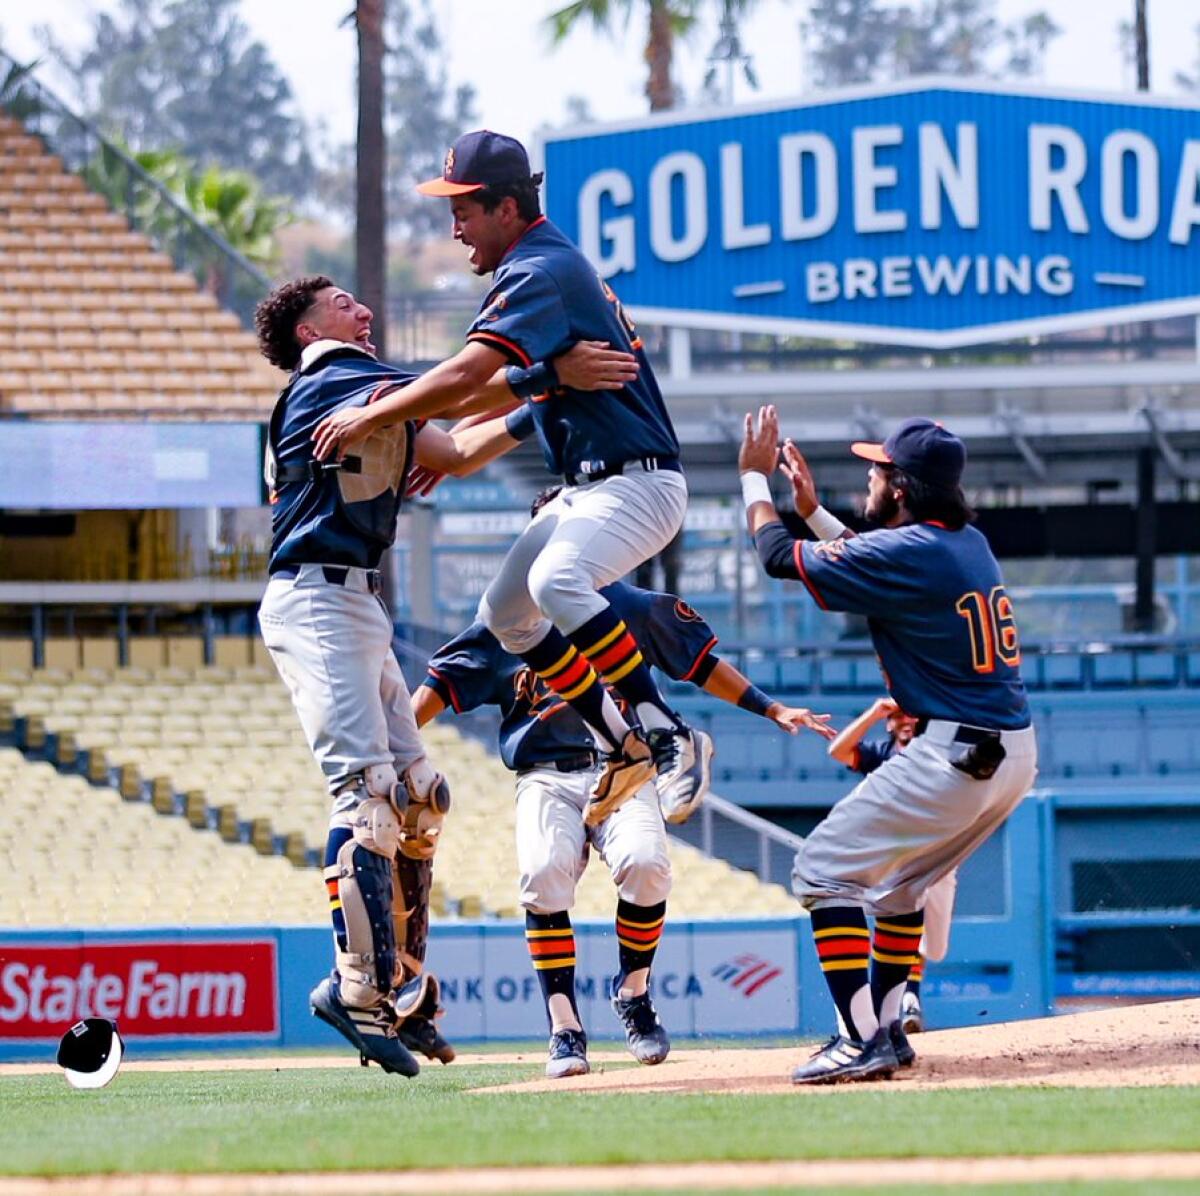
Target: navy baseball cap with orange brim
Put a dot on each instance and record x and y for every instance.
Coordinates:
(923, 449)
(477, 160)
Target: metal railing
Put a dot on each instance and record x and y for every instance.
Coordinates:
(727, 832)
(148, 204)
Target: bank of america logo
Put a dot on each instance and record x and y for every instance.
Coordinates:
(746, 973)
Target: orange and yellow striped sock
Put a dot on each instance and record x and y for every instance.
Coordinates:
(844, 948)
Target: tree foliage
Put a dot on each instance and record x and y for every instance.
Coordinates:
(188, 75)
(869, 41)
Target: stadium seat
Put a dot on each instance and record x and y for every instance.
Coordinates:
(1113, 669)
(1062, 670)
(796, 674)
(1157, 668)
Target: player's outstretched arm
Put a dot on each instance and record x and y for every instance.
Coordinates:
(426, 705)
(844, 747)
(465, 449)
(476, 379)
(732, 686)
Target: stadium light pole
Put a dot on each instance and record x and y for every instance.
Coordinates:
(370, 205)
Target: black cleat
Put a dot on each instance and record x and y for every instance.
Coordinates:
(421, 1035)
(568, 1054)
(842, 1061)
(644, 1033)
(372, 1032)
(905, 1055)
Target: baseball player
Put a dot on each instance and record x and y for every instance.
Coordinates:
(849, 748)
(553, 755)
(330, 637)
(943, 627)
(624, 495)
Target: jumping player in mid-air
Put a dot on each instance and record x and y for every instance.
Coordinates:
(624, 495)
(943, 627)
(848, 747)
(552, 753)
(330, 637)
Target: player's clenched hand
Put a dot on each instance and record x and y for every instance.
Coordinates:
(337, 430)
(804, 490)
(594, 365)
(760, 442)
(795, 718)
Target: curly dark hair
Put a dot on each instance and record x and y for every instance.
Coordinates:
(925, 502)
(276, 317)
(524, 191)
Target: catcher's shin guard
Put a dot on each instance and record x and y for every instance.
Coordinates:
(366, 953)
(412, 881)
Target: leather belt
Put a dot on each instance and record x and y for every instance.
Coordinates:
(336, 575)
(645, 464)
(581, 763)
(314, 471)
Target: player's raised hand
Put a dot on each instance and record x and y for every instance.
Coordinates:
(595, 365)
(759, 452)
(337, 430)
(804, 490)
(793, 719)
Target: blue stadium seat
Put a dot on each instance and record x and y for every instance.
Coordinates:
(1193, 668)
(850, 674)
(762, 672)
(1157, 668)
(1113, 669)
(1063, 670)
(1073, 752)
(796, 674)
(1172, 748)
(808, 759)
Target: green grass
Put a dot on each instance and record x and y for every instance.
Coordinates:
(1083, 1188)
(305, 1120)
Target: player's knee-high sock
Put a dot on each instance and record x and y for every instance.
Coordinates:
(558, 663)
(894, 949)
(639, 928)
(338, 836)
(551, 943)
(915, 975)
(605, 641)
(844, 947)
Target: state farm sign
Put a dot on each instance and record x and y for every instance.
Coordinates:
(167, 988)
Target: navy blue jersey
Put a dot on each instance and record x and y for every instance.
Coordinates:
(536, 726)
(545, 297)
(869, 756)
(309, 524)
(937, 610)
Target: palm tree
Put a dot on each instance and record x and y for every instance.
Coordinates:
(669, 19)
(370, 224)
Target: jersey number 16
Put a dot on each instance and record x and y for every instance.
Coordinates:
(992, 627)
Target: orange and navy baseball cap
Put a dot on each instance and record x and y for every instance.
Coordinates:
(477, 160)
(922, 449)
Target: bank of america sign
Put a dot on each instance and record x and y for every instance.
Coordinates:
(935, 213)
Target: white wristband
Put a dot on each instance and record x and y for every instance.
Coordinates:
(825, 526)
(756, 488)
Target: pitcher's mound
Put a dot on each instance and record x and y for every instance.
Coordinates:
(1130, 1046)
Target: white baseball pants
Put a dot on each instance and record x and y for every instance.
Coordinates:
(587, 537)
(332, 645)
(553, 843)
(909, 823)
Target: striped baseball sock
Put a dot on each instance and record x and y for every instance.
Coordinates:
(844, 947)
(605, 641)
(894, 949)
(639, 929)
(338, 836)
(559, 664)
(915, 975)
(551, 943)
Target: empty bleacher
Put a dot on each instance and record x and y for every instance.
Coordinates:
(98, 322)
(211, 762)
